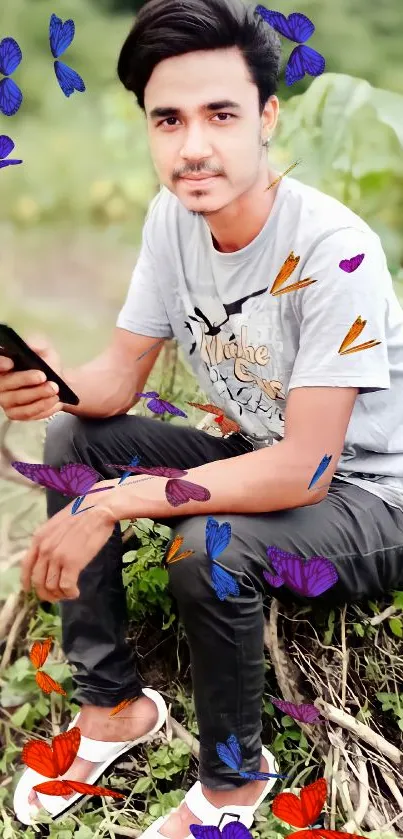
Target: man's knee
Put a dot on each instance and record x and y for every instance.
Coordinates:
(59, 440)
(67, 437)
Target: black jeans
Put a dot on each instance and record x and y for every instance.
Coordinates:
(361, 535)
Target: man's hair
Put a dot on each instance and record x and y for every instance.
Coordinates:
(165, 28)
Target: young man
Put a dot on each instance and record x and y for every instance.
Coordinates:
(219, 255)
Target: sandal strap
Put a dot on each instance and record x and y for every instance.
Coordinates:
(208, 814)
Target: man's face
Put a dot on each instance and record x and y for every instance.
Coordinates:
(203, 119)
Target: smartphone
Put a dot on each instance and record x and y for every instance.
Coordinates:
(24, 358)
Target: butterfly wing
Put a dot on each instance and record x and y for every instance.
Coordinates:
(60, 35)
(65, 747)
(173, 550)
(90, 789)
(230, 752)
(78, 478)
(39, 652)
(171, 409)
(4, 163)
(10, 56)
(303, 60)
(53, 788)
(223, 583)
(313, 798)
(261, 776)
(303, 713)
(121, 705)
(39, 756)
(287, 807)
(218, 537)
(210, 409)
(236, 830)
(350, 265)
(276, 582)
(6, 145)
(285, 272)
(318, 575)
(203, 831)
(68, 79)
(10, 97)
(296, 27)
(179, 492)
(320, 470)
(228, 426)
(47, 684)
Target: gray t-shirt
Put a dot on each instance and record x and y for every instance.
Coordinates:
(248, 347)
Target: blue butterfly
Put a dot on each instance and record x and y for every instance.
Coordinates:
(321, 469)
(230, 754)
(218, 538)
(60, 37)
(6, 147)
(297, 27)
(10, 94)
(134, 462)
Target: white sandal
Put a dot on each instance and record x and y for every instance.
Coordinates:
(101, 753)
(210, 815)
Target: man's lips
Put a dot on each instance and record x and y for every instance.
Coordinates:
(197, 177)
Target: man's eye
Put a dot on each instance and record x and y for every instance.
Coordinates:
(220, 114)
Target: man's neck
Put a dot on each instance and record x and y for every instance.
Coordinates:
(237, 225)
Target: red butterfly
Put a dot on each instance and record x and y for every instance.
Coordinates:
(53, 761)
(38, 655)
(228, 426)
(304, 811)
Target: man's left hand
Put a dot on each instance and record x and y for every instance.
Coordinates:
(62, 547)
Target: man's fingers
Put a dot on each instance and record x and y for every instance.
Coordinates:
(39, 574)
(27, 566)
(68, 583)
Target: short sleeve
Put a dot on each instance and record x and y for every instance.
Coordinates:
(144, 310)
(329, 308)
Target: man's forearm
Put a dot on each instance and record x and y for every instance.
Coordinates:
(274, 478)
(102, 393)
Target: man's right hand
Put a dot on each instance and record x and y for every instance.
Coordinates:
(28, 395)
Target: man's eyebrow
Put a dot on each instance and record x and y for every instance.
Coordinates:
(210, 106)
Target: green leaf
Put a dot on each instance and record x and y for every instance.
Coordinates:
(143, 784)
(19, 716)
(396, 627)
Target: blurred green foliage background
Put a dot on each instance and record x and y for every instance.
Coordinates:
(71, 215)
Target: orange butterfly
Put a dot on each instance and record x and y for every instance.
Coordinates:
(293, 165)
(53, 761)
(304, 811)
(174, 548)
(38, 655)
(123, 704)
(227, 425)
(284, 273)
(352, 334)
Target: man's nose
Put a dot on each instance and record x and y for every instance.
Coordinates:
(196, 145)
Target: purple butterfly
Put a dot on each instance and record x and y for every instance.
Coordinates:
(230, 754)
(6, 147)
(232, 830)
(10, 94)
(299, 28)
(350, 265)
(303, 713)
(308, 577)
(72, 479)
(160, 406)
(177, 492)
